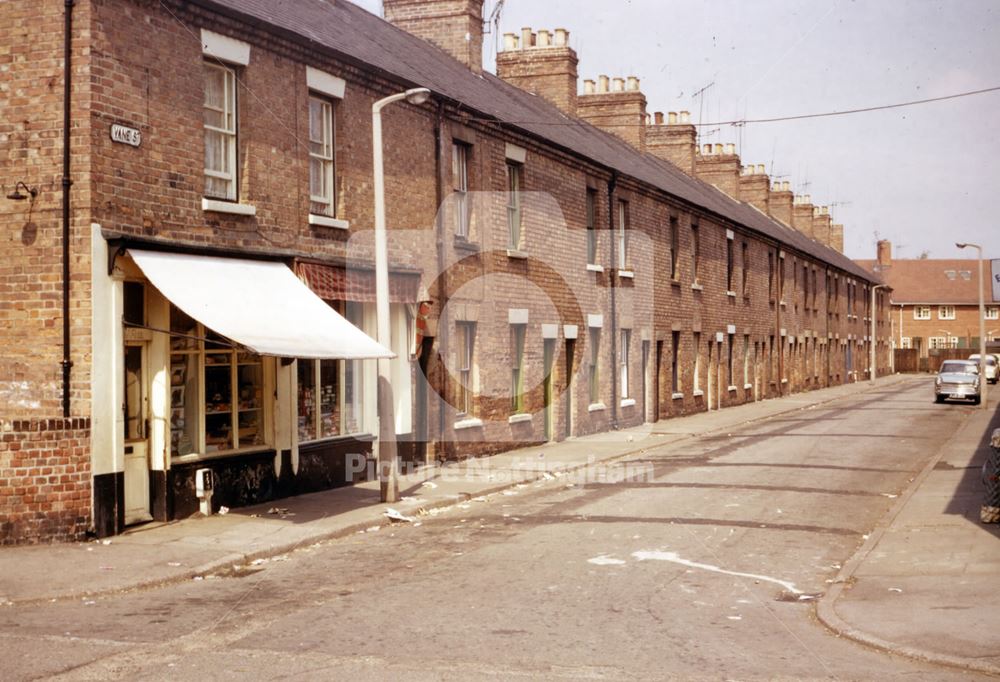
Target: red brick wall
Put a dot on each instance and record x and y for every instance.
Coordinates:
(31, 36)
(45, 469)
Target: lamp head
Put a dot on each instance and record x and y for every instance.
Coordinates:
(418, 95)
(961, 246)
(18, 195)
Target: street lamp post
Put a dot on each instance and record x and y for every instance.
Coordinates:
(871, 335)
(983, 383)
(388, 479)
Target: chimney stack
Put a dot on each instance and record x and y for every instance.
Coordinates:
(674, 142)
(542, 63)
(779, 202)
(455, 26)
(755, 187)
(802, 214)
(821, 223)
(720, 166)
(884, 254)
(619, 110)
(837, 237)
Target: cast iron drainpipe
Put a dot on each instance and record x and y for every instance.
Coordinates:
(66, 184)
(442, 274)
(612, 184)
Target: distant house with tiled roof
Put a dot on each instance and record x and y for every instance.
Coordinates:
(935, 301)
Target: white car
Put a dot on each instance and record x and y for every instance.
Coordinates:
(992, 370)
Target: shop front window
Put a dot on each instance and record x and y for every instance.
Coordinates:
(319, 410)
(216, 392)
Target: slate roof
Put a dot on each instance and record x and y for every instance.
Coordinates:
(934, 280)
(359, 36)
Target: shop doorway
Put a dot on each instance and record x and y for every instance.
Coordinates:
(136, 425)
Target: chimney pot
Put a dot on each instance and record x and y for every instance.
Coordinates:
(649, 119)
(526, 38)
(760, 169)
(672, 118)
(589, 87)
(562, 37)
(617, 85)
(719, 148)
(658, 117)
(730, 148)
(633, 83)
(806, 198)
(602, 83)
(544, 38)
(685, 117)
(509, 41)
(707, 150)
(786, 186)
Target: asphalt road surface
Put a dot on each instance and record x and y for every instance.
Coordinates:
(702, 564)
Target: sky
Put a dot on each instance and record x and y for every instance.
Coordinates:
(923, 176)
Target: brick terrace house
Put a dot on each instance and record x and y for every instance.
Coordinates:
(935, 301)
(561, 263)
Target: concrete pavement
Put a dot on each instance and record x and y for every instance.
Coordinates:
(898, 601)
(926, 582)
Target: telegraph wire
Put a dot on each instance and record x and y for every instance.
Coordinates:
(776, 119)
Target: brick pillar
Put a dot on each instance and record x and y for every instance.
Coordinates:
(802, 214)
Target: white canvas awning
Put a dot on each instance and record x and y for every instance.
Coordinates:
(258, 304)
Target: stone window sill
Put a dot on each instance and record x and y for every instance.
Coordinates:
(594, 267)
(626, 274)
(676, 396)
(697, 287)
(698, 394)
(747, 387)
(517, 254)
(230, 207)
(627, 402)
(732, 389)
(731, 294)
(468, 423)
(326, 221)
(518, 418)
(596, 407)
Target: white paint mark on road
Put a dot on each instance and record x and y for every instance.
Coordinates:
(672, 557)
(605, 560)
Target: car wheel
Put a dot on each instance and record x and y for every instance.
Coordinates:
(975, 401)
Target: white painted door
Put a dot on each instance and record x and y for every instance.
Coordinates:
(136, 413)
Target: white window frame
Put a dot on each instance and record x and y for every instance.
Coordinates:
(518, 338)
(922, 312)
(623, 216)
(946, 312)
(322, 151)
(228, 132)
(991, 312)
(594, 374)
(623, 359)
(515, 226)
(465, 362)
(460, 186)
(590, 207)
